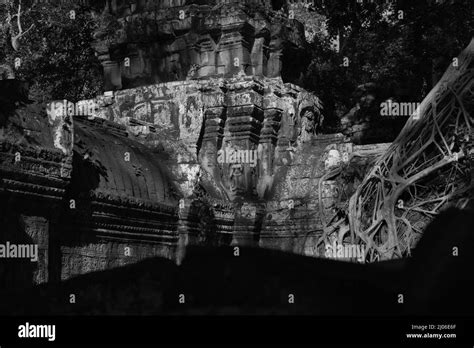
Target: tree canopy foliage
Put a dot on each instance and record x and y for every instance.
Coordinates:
(55, 55)
(403, 47)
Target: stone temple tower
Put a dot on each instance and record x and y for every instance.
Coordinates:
(221, 76)
(146, 42)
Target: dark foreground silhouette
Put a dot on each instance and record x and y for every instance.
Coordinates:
(214, 281)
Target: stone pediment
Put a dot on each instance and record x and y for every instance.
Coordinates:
(120, 166)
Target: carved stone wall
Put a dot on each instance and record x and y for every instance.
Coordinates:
(274, 202)
(106, 254)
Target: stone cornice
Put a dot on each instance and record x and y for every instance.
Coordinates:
(105, 200)
(28, 151)
(30, 189)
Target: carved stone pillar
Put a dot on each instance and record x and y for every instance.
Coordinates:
(207, 57)
(268, 141)
(233, 52)
(259, 56)
(242, 133)
(36, 229)
(214, 117)
(288, 125)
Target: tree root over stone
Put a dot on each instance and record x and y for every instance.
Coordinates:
(426, 168)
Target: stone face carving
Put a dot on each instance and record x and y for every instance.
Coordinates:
(311, 119)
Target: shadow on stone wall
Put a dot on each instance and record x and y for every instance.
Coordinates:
(259, 281)
(14, 272)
